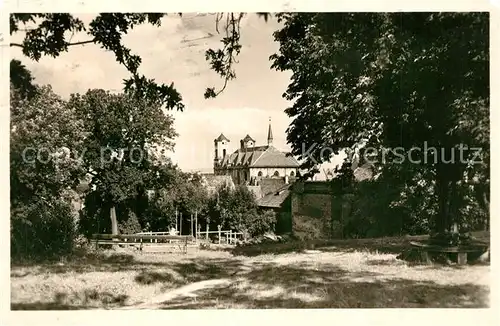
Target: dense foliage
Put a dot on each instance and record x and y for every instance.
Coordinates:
(42, 229)
(112, 143)
(401, 84)
(236, 209)
(125, 140)
(383, 81)
(42, 169)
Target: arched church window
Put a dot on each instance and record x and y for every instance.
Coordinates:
(224, 152)
(292, 174)
(259, 174)
(276, 174)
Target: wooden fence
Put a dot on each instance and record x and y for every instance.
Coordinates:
(229, 237)
(140, 240)
(223, 236)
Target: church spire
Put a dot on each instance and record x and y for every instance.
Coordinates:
(269, 134)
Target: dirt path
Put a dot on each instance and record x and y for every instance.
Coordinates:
(325, 278)
(182, 292)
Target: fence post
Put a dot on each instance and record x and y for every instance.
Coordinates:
(180, 224)
(176, 220)
(206, 234)
(199, 231)
(192, 226)
(196, 223)
(219, 227)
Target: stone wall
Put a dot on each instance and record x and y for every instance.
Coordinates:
(317, 210)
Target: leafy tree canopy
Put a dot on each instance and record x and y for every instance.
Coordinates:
(51, 34)
(44, 136)
(390, 80)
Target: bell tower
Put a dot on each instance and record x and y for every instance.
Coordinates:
(220, 146)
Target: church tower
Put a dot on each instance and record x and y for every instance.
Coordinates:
(220, 143)
(269, 135)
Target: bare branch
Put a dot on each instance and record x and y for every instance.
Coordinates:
(68, 44)
(217, 21)
(81, 43)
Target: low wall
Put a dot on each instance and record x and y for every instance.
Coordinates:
(318, 209)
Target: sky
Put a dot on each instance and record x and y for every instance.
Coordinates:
(174, 53)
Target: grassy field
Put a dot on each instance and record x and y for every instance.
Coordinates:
(347, 274)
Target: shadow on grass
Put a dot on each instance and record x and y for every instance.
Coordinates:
(384, 262)
(380, 245)
(87, 299)
(270, 285)
(399, 246)
(191, 271)
(261, 284)
(342, 294)
(95, 262)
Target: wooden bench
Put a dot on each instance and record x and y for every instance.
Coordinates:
(137, 240)
(461, 251)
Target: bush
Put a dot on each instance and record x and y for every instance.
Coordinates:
(259, 223)
(131, 225)
(43, 229)
(308, 228)
(94, 219)
(384, 207)
(236, 209)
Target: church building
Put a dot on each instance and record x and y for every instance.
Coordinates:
(249, 164)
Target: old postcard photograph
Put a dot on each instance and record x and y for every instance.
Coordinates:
(278, 158)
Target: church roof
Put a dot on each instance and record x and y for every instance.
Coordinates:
(275, 158)
(248, 138)
(261, 156)
(221, 138)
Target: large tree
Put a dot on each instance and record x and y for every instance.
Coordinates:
(44, 137)
(391, 81)
(123, 146)
(43, 167)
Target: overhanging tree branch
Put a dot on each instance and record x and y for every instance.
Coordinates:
(67, 44)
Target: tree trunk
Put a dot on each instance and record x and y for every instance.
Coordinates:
(453, 210)
(487, 205)
(442, 189)
(114, 222)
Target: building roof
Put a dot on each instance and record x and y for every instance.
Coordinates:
(261, 156)
(248, 138)
(256, 190)
(221, 138)
(269, 185)
(275, 158)
(213, 182)
(276, 198)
